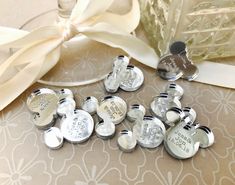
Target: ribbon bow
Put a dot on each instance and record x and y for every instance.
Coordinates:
(39, 50)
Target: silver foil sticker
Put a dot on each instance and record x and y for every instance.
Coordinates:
(53, 138)
(126, 141)
(77, 127)
(149, 132)
(114, 107)
(113, 80)
(43, 103)
(133, 79)
(90, 105)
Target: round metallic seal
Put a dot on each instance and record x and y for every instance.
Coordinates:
(66, 106)
(150, 132)
(133, 79)
(53, 138)
(43, 103)
(126, 141)
(179, 143)
(178, 48)
(105, 129)
(191, 113)
(204, 136)
(170, 67)
(135, 111)
(114, 78)
(111, 83)
(90, 105)
(174, 115)
(113, 106)
(161, 104)
(174, 90)
(65, 93)
(77, 127)
(190, 71)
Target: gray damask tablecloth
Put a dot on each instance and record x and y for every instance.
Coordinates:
(24, 159)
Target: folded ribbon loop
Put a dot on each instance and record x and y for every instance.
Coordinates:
(40, 49)
(68, 31)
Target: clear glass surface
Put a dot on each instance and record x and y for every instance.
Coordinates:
(82, 60)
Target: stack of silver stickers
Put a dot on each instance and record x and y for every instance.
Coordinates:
(163, 102)
(112, 111)
(184, 138)
(177, 65)
(43, 103)
(148, 131)
(76, 126)
(123, 76)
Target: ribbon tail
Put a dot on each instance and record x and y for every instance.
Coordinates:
(212, 73)
(10, 34)
(127, 22)
(12, 88)
(136, 48)
(29, 54)
(40, 34)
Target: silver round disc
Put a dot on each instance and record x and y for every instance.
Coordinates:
(135, 111)
(191, 113)
(170, 67)
(90, 105)
(114, 78)
(190, 72)
(43, 103)
(126, 141)
(110, 84)
(177, 48)
(204, 136)
(133, 79)
(53, 138)
(150, 133)
(174, 90)
(105, 130)
(174, 115)
(180, 143)
(65, 93)
(66, 106)
(78, 127)
(42, 99)
(161, 104)
(114, 107)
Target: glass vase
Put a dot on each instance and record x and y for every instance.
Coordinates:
(207, 26)
(82, 60)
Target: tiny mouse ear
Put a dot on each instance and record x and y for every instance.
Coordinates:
(66, 106)
(64, 93)
(90, 104)
(43, 103)
(136, 111)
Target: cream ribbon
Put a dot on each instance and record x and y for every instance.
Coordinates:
(218, 74)
(39, 50)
